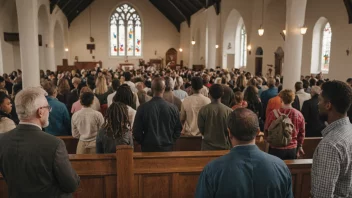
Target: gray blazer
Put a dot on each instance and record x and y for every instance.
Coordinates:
(36, 164)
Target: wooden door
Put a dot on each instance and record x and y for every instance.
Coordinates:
(171, 57)
(258, 66)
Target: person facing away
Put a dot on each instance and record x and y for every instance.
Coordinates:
(59, 118)
(86, 124)
(169, 95)
(117, 129)
(238, 101)
(178, 92)
(227, 98)
(190, 108)
(212, 121)
(245, 171)
(332, 160)
(295, 148)
(33, 163)
(302, 95)
(269, 93)
(125, 96)
(115, 84)
(310, 111)
(157, 123)
(6, 124)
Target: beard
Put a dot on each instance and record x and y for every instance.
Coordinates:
(46, 123)
(323, 117)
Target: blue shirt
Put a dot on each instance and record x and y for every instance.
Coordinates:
(59, 118)
(267, 95)
(245, 172)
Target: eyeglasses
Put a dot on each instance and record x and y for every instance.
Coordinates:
(47, 107)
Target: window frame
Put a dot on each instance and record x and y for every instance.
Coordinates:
(243, 46)
(322, 44)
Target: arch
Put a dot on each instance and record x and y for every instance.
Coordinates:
(171, 57)
(232, 41)
(58, 43)
(259, 51)
(317, 46)
(43, 31)
(125, 31)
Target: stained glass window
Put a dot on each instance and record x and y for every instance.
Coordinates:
(125, 32)
(243, 47)
(326, 48)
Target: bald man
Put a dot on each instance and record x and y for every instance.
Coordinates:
(157, 124)
(245, 171)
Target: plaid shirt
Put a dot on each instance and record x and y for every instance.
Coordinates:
(332, 162)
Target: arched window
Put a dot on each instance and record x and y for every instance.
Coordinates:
(326, 48)
(125, 32)
(243, 47)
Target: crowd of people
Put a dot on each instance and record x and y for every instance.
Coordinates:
(105, 108)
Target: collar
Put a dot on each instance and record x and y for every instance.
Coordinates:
(338, 123)
(29, 123)
(249, 147)
(301, 91)
(50, 98)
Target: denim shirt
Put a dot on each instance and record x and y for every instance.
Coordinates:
(59, 118)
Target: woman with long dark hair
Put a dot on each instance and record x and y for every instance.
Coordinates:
(124, 95)
(117, 129)
(254, 103)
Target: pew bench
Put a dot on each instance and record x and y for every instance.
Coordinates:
(172, 174)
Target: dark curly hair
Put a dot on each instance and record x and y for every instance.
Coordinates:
(339, 94)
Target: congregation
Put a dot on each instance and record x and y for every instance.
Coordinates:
(228, 109)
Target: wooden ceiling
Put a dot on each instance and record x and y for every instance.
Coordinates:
(177, 11)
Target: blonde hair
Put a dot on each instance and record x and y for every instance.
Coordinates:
(101, 86)
(287, 96)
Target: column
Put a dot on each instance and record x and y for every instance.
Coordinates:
(211, 37)
(27, 13)
(1, 61)
(295, 15)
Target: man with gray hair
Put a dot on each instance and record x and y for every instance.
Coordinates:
(246, 171)
(34, 163)
(169, 95)
(310, 111)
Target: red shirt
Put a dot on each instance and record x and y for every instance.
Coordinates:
(298, 132)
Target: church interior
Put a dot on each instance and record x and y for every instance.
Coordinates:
(292, 39)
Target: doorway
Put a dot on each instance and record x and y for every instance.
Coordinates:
(259, 61)
(279, 60)
(230, 61)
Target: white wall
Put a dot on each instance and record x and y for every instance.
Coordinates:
(185, 40)
(159, 34)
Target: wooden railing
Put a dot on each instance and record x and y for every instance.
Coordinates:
(171, 174)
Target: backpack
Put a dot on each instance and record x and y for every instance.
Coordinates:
(280, 130)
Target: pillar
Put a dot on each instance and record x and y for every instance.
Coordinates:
(211, 37)
(27, 13)
(295, 15)
(1, 61)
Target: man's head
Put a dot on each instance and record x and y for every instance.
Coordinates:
(197, 84)
(87, 99)
(178, 82)
(271, 82)
(243, 126)
(2, 82)
(315, 90)
(128, 76)
(216, 91)
(158, 86)
(5, 103)
(50, 88)
(287, 96)
(115, 84)
(32, 106)
(334, 100)
(298, 86)
(349, 81)
(76, 81)
(169, 84)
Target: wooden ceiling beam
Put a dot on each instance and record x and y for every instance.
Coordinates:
(186, 17)
(74, 9)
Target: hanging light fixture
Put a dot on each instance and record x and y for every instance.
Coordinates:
(284, 31)
(66, 49)
(304, 30)
(193, 41)
(261, 29)
(216, 46)
(181, 50)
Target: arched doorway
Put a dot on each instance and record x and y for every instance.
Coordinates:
(259, 61)
(279, 60)
(171, 58)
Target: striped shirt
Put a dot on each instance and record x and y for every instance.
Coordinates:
(332, 162)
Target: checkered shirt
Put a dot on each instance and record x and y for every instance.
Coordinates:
(332, 162)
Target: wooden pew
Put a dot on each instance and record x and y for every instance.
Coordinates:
(175, 174)
(186, 143)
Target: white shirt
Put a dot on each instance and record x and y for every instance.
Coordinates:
(180, 94)
(132, 86)
(189, 112)
(29, 123)
(131, 115)
(302, 96)
(111, 96)
(86, 124)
